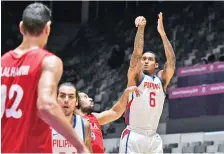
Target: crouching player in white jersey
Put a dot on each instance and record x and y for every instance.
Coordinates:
(143, 113)
(68, 100)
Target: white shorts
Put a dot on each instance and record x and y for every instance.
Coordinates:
(133, 141)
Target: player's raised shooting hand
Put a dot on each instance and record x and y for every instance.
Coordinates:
(134, 89)
(160, 27)
(140, 21)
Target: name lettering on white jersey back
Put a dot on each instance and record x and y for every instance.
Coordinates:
(15, 71)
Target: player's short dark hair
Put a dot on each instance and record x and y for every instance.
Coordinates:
(156, 57)
(35, 17)
(70, 84)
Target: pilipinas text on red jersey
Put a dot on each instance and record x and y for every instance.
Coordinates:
(22, 130)
(96, 134)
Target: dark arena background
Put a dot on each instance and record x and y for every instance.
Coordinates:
(95, 41)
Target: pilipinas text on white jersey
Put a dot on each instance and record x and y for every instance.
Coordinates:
(60, 144)
(144, 111)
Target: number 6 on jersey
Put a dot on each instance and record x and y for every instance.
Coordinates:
(152, 100)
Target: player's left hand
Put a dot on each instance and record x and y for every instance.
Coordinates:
(160, 27)
(134, 89)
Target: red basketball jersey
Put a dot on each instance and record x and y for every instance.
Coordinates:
(96, 134)
(22, 130)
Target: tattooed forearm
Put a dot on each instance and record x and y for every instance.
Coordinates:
(138, 47)
(139, 41)
(170, 56)
(134, 60)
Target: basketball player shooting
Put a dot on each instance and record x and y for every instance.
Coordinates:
(140, 135)
(68, 100)
(29, 79)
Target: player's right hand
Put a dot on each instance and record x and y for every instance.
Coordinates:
(134, 89)
(140, 21)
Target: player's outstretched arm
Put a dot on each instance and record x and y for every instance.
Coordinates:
(118, 109)
(88, 135)
(49, 110)
(134, 67)
(169, 68)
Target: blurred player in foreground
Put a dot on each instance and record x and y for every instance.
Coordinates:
(140, 135)
(29, 80)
